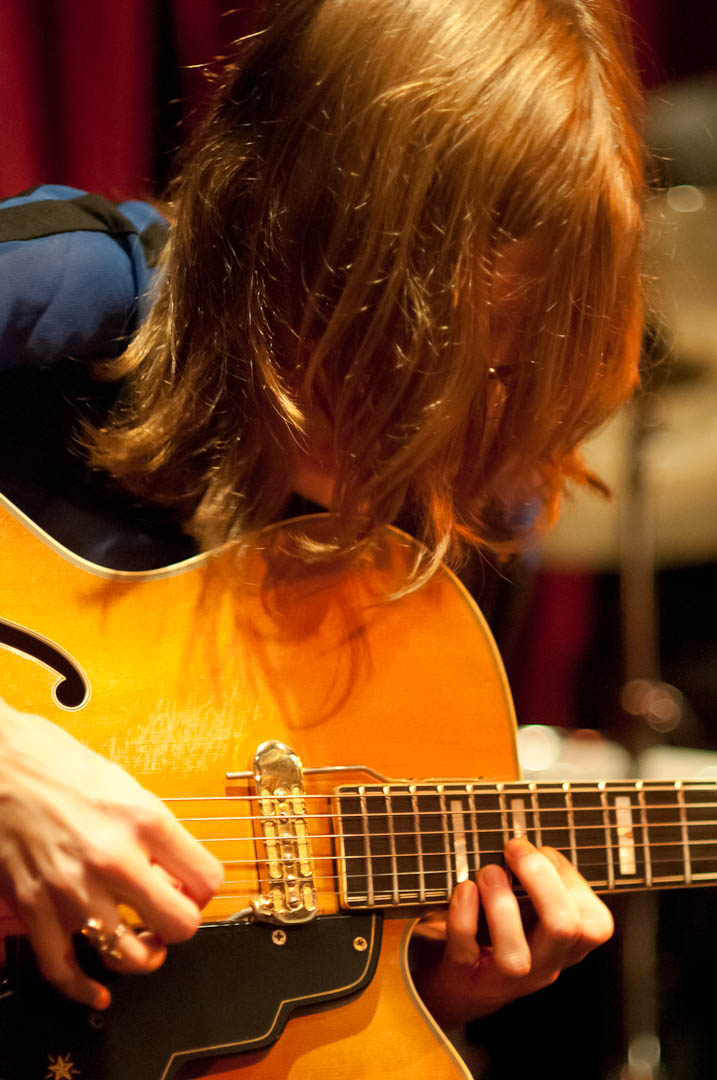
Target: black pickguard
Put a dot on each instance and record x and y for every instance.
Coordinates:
(227, 990)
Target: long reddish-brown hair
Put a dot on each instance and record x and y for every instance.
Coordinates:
(419, 221)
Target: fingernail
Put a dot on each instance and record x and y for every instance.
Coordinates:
(102, 998)
(518, 845)
(151, 940)
(493, 876)
(464, 895)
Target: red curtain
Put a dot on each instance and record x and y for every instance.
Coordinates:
(89, 86)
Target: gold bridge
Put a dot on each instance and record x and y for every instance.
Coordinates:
(290, 896)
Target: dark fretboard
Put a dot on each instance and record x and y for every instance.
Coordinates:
(410, 843)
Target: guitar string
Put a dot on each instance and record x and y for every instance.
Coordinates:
(445, 858)
(441, 873)
(447, 834)
(598, 825)
(334, 882)
(655, 848)
(324, 880)
(403, 891)
(416, 853)
(433, 898)
(678, 807)
(361, 856)
(406, 892)
(597, 809)
(490, 792)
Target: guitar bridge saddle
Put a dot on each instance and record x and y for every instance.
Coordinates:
(290, 896)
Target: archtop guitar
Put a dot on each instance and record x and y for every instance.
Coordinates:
(348, 758)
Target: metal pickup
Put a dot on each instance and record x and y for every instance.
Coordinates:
(291, 893)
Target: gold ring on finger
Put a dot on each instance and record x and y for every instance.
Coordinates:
(105, 941)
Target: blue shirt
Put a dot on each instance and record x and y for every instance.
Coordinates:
(75, 270)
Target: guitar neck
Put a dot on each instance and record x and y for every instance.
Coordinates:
(408, 844)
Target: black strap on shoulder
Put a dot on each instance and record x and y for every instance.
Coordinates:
(86, 213)
(44, 217)
(153, 239)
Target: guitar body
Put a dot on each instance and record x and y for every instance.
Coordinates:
(187, 671)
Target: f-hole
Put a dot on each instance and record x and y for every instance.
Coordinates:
(72, 689)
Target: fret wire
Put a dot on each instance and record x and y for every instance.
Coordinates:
(367, 853)
(503, 826)
(503, 814)
(444, 830)
(642, 803)
(419, 845)
(460, 847)
(474, 827)
(535, 804)
(684, 831)
(571, 822)
(608, 838)
(392, 839)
